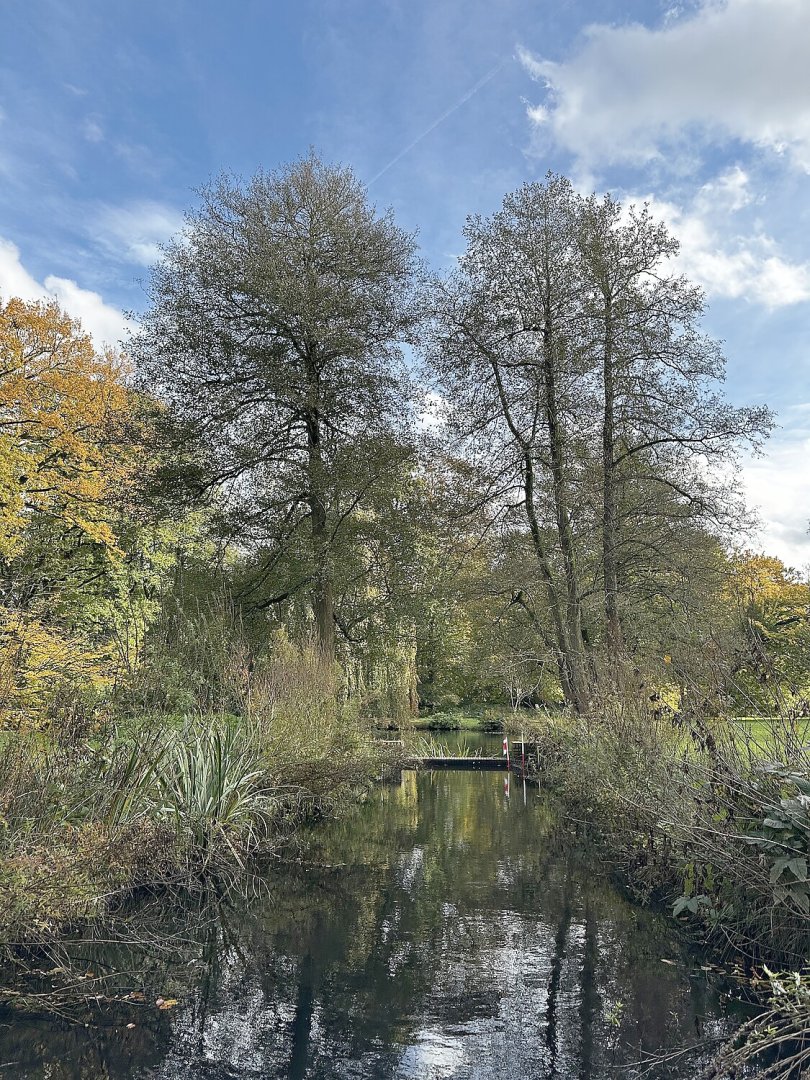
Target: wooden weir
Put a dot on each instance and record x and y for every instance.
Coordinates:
(519, 761)
(483, 763)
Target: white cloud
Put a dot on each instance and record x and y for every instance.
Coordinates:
(105, 324)
(731, 258)
(734, 70)
(778, 485)
(14, 278)
(727, 193)
(136, 231)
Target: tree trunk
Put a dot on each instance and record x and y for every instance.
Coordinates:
(572, 673)
(577, 661)
(609, 509)
(323, 605)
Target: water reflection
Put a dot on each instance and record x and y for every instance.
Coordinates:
(441, 931)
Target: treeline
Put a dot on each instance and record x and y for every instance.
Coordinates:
(495, 483)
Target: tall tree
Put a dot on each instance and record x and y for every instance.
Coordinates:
(79, 560)
(60, 405)
(274, 338)
(577, 374)
(507, 352)
(663, 425)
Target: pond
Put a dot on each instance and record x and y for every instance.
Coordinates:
(444, 929)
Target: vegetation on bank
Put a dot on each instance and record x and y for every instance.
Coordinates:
(167, 801)
(713, 821)
(228, 554)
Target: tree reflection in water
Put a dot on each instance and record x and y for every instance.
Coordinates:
(438, 931)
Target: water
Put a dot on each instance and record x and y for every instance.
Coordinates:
(442, 930)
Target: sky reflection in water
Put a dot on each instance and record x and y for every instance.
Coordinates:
(440, 931)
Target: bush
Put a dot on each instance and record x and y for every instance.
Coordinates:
(211, 782)
(689, 810)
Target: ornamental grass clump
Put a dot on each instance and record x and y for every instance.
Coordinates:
(212, 783)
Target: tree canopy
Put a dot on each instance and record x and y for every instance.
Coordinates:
(578, 378)
(571, 505)
(274, 338)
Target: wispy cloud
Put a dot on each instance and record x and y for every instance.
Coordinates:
(92, 130)
(439, 120)
(134, 232)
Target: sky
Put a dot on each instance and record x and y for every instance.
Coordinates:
(113, 114)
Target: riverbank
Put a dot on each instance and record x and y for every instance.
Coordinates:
(710, 818)
(440, 928)
(470, 718)
(169, 806)
(159, 803)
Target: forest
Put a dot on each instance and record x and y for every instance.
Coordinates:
(325, 496)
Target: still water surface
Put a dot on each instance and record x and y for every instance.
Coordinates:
(442, 930)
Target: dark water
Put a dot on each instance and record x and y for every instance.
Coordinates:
(443, 930)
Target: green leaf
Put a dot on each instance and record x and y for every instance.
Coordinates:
(775, 823)
(778, 868)
(798, 867)
(680, 905)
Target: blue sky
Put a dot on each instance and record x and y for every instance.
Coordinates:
(113, 112)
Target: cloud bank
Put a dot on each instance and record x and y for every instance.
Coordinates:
(727, 254)
(778, 485)
(735, 70)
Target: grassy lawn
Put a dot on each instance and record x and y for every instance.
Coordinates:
(464, 718)
(767, 734)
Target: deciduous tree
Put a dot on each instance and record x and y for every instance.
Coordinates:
(69, 468)
(579, 379)
(274, 339)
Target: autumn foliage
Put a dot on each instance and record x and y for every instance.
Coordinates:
(65, 467)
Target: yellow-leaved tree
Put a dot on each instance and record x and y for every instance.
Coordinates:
(773, 609)
(66, 464)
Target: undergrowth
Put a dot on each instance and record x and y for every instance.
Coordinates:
(712, 822)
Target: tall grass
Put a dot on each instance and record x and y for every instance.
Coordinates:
(692, 813)
(218, 745)
(430, 747)
(714, 821)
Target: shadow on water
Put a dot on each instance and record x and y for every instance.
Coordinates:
(443, 930)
